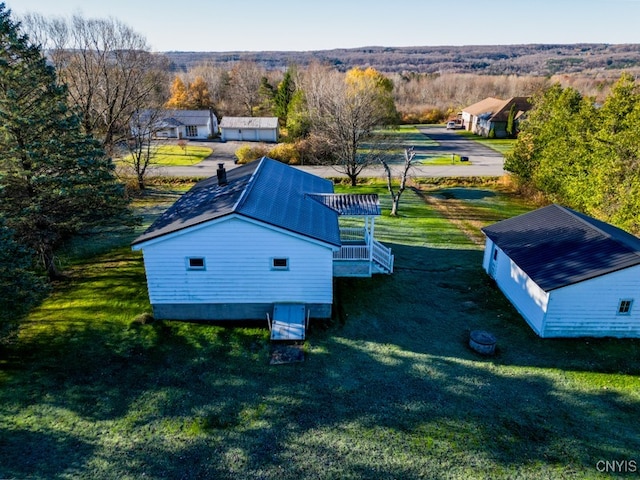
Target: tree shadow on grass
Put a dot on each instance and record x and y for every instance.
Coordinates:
(34, 454)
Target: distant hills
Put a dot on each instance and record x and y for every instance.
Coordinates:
(534, 59)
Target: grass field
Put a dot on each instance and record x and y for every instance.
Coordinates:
(388, 390)
(174, 155)
(500, 145)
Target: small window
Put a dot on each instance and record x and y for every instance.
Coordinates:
(280, 263)
(195, 263)
(192, 130)
(625, 307)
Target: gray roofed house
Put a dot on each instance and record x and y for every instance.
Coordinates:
(252, 129)
(568, 274)
(238, 243)
(492, 114)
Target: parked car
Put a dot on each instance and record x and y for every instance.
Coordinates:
(451, 125)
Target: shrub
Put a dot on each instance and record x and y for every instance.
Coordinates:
(427, 115)
(315, 150)
(249, 153)
(286, 153)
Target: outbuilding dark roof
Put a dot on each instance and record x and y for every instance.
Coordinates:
(265, 190)
(556, 246)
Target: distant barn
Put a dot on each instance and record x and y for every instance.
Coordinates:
(569, 275)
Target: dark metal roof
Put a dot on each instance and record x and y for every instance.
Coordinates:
(556, 246)
(351, 205)
(265, 190)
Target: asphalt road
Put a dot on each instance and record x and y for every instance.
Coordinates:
(483, 161)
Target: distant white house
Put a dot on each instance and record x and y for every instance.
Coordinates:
(569, 275)
(180, 124)
(250, 129)
(260, 235)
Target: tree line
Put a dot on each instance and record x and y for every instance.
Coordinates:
(541, 60)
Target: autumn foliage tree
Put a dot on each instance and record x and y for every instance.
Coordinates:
(179, 95)
(190, 96)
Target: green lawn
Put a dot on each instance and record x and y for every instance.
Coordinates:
(389, 388)
(174, 155)
(501, 145)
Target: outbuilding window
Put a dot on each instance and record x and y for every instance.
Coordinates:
(280, 263)
(192, 130)
(624, 308)
(195, 263)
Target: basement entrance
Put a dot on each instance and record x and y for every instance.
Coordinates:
(289, 321)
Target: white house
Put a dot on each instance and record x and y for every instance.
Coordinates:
(260, 235)
(250, 129)
(569, 275)
(182, 124)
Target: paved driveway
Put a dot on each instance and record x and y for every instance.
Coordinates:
(483, 161)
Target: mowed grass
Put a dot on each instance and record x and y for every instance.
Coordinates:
(500, 145)
(389, 388)
(175, 156)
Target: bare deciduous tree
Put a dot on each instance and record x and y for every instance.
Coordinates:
(345, 111)
(107, 67)
(409, 156)
(245, 81)
(141, 146)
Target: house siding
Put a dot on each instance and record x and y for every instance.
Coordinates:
(249, 135)
(590, 308)
(238, 280)
(525, 295)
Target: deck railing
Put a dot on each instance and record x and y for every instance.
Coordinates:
(352, 252)
(382, 255)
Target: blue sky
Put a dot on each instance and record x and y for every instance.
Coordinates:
(252, 25)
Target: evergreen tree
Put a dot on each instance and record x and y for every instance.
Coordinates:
(20, 287)
(55, 182)
(617, 148)
(283, 96)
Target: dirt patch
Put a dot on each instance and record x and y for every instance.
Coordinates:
(283, 354)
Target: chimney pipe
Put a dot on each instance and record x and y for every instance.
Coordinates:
(222, 174)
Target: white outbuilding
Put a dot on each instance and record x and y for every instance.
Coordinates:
(249, 129)
(567, 274)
